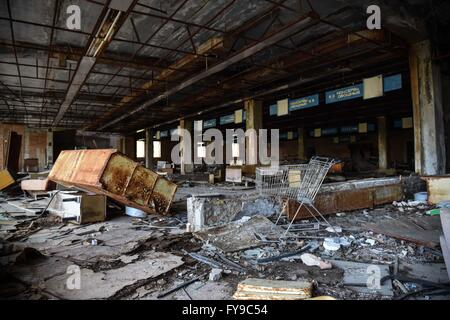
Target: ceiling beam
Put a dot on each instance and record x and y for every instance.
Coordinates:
(110, 21)
(248, 51)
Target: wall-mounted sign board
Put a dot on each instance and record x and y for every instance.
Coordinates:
(350, 129)
(227, 119)
(304, 103)
(273, 110)
(164, 134)
(329, 131)
(344, 94)
(238, 116)
(212, 123)
(373, 87)
(283, 107)
(393, 83)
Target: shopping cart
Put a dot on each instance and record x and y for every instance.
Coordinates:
(300, 183)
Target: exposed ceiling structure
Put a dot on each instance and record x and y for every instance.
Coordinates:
(140, 63)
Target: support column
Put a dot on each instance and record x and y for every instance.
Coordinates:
(49, 151)
(130, 147)
(149, 148)
(186, 166)
(301, 144)
(254, 120)
(382, 143)
(426, 91)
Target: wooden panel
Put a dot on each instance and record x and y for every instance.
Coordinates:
(13, 151)
(262, 289)
(405, 229)
(5, 179)
(110, 173)
(438, 189)
(80, 167)
(354, 200)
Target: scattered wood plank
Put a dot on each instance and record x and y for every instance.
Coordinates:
(405, 229)
(261, 289)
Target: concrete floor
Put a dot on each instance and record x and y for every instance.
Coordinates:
(135, 260)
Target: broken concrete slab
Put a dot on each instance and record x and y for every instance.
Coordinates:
(240, 235)
(359, 276)
(207, 211)
(102, 285)
(41, 270)
(261, 289)
(432, 272)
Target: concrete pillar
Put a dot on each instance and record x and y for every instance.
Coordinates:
(187, 165)
(301, 144)
(254, 120)
(49, 150)
(149, 148)
(130, 147)
(426, 91)
(382, 143)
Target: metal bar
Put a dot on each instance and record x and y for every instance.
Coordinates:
(245, 53)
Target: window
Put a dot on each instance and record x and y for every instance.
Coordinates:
(156, 149)
(140, 149)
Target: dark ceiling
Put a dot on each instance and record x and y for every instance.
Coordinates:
(168, 59)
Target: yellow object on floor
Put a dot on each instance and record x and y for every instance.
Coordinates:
(324, 298)
(5, 179)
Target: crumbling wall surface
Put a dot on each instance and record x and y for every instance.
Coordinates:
(412, 185)
(211, 211)
(207, 211)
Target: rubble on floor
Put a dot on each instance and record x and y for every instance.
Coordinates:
(246, 258)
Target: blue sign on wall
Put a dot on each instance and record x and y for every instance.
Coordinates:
(164, 134)
(350, 129)
(348, 93)
(273, 110)
(393, 83)
(173, 132)
(303, 103)
(227, 119)
(329, 131)
(212, 123)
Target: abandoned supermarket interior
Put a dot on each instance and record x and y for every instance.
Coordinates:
(224, 150)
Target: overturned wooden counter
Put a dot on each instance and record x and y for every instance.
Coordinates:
(113, 174)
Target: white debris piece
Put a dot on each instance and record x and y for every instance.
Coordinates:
(215, 275)
(330, 245)
(311, 260)
(334, 244)
(334, 229)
